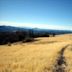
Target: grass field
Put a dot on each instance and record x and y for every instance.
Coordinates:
(47, 54)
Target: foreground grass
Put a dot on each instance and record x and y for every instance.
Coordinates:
(68, 56)
(39, 56)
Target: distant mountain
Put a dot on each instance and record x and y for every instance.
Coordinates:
(35, 30)
(11, 29)
(50, 31)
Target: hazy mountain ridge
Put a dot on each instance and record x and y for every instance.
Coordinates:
(35, 30)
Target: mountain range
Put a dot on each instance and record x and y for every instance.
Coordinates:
(35, 30)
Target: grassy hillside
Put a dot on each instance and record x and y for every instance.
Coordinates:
(47, 54)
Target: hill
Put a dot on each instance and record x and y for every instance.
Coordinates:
(47, 54)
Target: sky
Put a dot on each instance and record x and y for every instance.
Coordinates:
(47, 14)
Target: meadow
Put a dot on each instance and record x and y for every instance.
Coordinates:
(46, 54)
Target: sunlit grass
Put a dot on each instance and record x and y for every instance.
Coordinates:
(39, 56)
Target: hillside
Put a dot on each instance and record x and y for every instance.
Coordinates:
(47, 54)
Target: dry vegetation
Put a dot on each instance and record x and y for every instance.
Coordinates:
(50, 54)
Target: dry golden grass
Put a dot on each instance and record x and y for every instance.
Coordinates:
(68, 56)
(38, 56)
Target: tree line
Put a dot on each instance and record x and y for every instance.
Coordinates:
(25, 36)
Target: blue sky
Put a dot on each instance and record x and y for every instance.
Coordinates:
(49, 14)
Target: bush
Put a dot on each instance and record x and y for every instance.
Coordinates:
(9, 44)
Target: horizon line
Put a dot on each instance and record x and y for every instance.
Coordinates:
(31, 25)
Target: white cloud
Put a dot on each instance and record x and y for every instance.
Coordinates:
(44, 26)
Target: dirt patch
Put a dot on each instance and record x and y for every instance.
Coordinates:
(61, 63)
